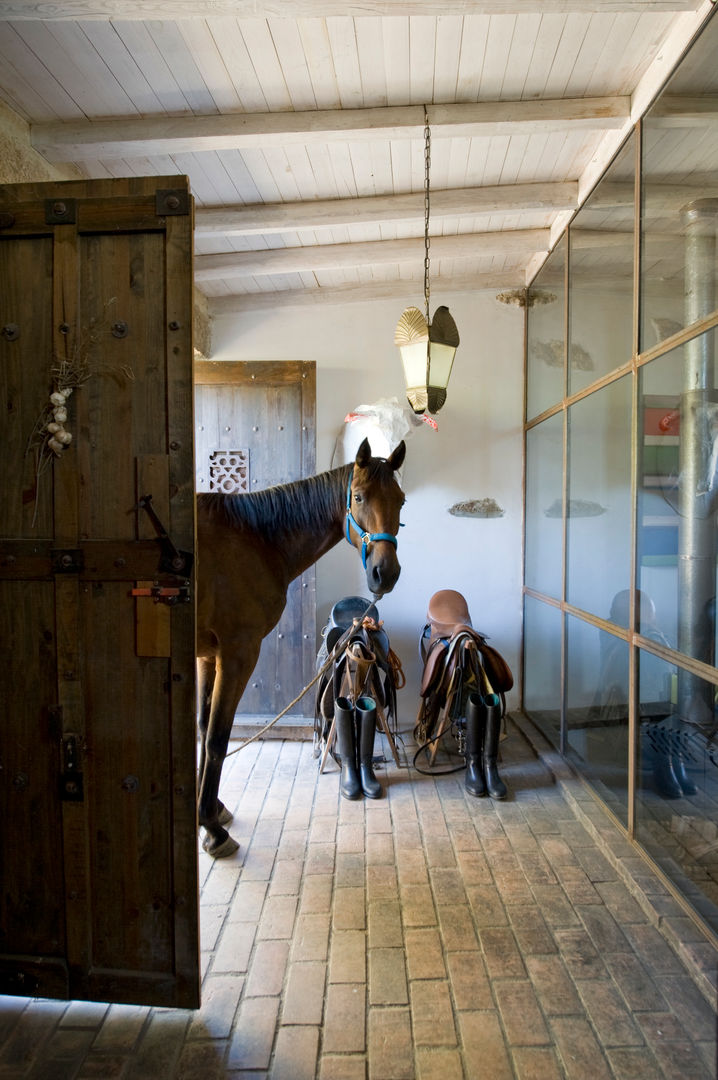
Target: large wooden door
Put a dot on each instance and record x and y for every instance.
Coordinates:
(98, 856)
(254, 427)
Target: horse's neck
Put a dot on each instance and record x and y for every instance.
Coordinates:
(303, 547)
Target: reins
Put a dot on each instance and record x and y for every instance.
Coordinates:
(339, 645)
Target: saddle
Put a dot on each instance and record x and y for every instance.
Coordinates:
(364, 666)
(456, 660)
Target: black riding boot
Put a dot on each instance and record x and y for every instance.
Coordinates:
(366, 730)
(494, 784)
(475, 727)
(349, 784)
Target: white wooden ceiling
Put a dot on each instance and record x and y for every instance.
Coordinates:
(300, 124)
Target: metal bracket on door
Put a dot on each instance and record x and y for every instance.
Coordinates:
(172, 561)
(71, 784)
(68, 560)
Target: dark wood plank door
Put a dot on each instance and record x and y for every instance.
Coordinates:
(98, 856)
(254, 427)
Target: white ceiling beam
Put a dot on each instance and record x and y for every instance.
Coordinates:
(262, 218)
(405, 293)
(92, 140)
(295, 9)
(344, 256)
(678, 110)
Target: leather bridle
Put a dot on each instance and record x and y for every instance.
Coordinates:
(366, 537)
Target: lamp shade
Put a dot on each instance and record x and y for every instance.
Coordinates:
(427, 354)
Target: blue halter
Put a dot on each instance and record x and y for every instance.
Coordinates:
(366, 538)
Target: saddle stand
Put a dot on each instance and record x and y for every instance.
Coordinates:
(456, 660)
(365, 666)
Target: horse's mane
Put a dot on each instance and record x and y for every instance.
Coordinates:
(283, 509)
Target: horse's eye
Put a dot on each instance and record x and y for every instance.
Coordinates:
(358, 497)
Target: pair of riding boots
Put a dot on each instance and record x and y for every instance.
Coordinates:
(663, 750)
(483, 728)
(356, 728)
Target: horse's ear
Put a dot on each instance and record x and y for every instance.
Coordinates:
(396, 458)
(363, 454)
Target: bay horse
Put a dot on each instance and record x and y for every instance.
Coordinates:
(250, 547)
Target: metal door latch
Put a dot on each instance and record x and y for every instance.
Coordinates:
(165, 594)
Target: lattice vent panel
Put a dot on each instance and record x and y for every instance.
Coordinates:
(226, 472)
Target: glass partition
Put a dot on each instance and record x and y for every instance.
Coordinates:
(597, 710)
(601, 276)
(637, 545)
(677, 497)
(542, 671)
(544, 506)
(599, 498)
(679, 211)
(677, 786)
(546, 334)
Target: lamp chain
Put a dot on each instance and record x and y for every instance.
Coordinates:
(427, 166)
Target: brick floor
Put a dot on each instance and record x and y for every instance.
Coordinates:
(424, 936)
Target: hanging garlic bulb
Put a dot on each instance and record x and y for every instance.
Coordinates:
(58, 439)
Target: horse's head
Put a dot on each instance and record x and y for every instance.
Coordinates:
(374, 501)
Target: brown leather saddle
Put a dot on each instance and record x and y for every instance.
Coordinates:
(363, 665)
(457, 660)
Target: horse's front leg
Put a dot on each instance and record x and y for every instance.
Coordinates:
(231, 677)
(205, 685)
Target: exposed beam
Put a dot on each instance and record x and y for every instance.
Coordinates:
(344, 256)
(404, 292)
(262, 218)
(294, 9)
(678, 110)
(94, 139)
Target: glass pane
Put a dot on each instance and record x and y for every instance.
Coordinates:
(546, 333)
(601, 276)
(542, 667)
(597, 711)
(544, 514)
(680, 199)
(599, 483)
(677, 785)
(677, 493)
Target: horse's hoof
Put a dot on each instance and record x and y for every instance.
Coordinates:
(224, 816)
(219, 848)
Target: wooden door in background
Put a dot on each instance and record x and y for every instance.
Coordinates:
(254, 427)
(98, 819)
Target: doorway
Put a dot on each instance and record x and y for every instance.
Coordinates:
(254, 428)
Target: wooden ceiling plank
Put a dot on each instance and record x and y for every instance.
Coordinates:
(77, 141)
(264, 9)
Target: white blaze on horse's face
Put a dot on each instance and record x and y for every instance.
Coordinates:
(373, 510)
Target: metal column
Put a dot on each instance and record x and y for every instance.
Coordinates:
(697, 488)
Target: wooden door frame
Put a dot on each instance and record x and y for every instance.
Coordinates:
(289, 372)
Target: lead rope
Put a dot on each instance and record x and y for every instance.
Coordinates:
(329, 661)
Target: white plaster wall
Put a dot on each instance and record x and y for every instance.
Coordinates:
(476, 453)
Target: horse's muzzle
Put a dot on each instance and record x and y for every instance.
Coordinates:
(382, 569)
